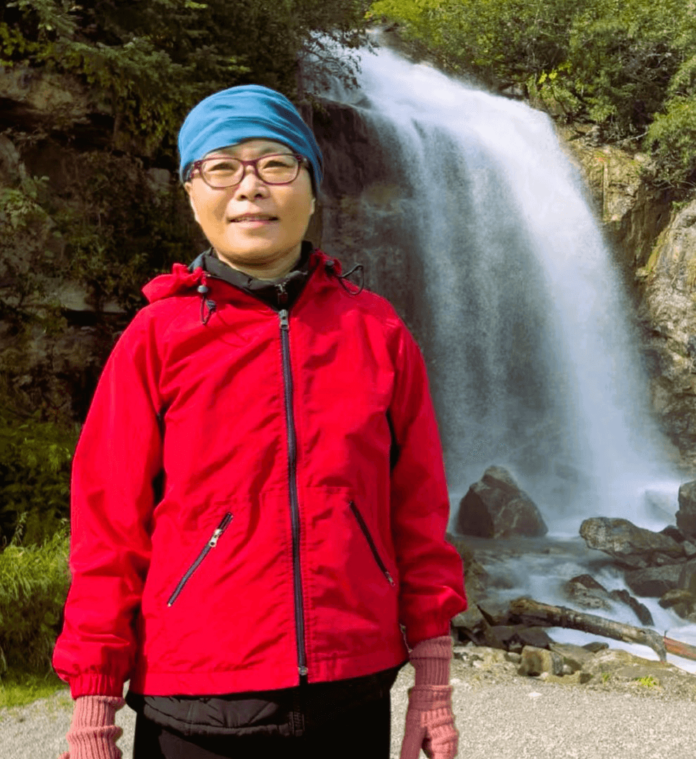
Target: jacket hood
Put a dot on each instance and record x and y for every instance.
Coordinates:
(179, 281)
(184, 279)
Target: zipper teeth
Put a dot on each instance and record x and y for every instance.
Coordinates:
(207, 548)
(371, 542)
(292, 484)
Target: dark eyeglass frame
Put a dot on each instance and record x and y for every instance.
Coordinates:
(196, 168)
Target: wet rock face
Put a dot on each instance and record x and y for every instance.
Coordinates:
(632, 214)
(686, 516)
(669, 316)
(586, 592)
(682, 602)
(631, 546)
(495, 507)
(654, 582)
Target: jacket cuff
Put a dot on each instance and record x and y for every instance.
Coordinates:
(96, 684)
(420, 630)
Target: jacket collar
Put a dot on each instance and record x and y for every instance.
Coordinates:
(277, 293)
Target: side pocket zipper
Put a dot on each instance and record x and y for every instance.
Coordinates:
(201, 556)
(371, 542)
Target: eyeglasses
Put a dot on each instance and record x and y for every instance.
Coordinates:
(225, 171)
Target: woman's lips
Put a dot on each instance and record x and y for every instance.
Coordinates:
(254, 219)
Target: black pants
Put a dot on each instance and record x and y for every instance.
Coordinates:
(363, 732)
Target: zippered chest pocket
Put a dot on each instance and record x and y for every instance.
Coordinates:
(207, 548)
(373, 548)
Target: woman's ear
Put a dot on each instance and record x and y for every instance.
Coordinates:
(187, 187)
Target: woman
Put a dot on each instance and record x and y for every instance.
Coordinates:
(259, 502)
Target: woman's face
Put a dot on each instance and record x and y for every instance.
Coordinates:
(253, 226)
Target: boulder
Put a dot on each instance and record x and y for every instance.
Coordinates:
(596, 646)
(676, 596)
(673, 532)
(536, 661)
(682, 602)
(687, 577)
(575, 657)
(495, 611)
(633, 547)
(686, 516)
(587, 593)
(640, 610)
(495, 507)
(653, 582)
(472, 625)
(516, 637)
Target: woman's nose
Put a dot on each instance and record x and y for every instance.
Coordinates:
(251, 186)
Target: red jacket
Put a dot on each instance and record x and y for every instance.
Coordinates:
(284, 542)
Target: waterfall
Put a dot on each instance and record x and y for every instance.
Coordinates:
(476, 223)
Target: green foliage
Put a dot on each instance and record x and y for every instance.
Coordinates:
(149, 61)
(647, 681)
(629, 66)
(33, 586)
(18, 688)
(672, 137)
(503, 42)
(623, 56)
(35, 477)
(118, 226)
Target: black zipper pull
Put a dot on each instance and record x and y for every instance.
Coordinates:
(282, 294)
(284, 319)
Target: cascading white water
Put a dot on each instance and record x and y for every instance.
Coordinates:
(523, 322)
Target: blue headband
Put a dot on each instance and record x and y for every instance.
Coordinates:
(242, 113)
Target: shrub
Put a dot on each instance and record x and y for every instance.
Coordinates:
(35, 475)
(672, 138)
(33, 586)
(623, 56)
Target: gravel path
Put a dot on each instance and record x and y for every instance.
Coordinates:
(500, 715)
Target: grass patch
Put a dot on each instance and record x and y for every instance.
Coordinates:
(21, 688)
(647, 682)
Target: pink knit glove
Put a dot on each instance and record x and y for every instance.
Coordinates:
(429, 719)
(93, 734)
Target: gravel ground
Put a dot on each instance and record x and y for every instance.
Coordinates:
(500, 715)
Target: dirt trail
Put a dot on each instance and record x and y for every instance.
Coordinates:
(500, 715)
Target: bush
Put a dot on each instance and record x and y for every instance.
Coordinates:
(33, 586)
(503, 42)
(622, 59)
(672, 138)
(35, 475)
(628, 66)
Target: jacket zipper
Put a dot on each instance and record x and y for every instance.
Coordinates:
(371, 543)
(201, 556)
(292, 485)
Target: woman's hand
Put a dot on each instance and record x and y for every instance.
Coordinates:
(430, 723)
(429, 719)
(93, 734)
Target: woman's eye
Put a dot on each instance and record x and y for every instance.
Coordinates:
(222, 166)
(278, 163)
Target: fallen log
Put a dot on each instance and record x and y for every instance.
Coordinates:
(678, 648)
(527, 611)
